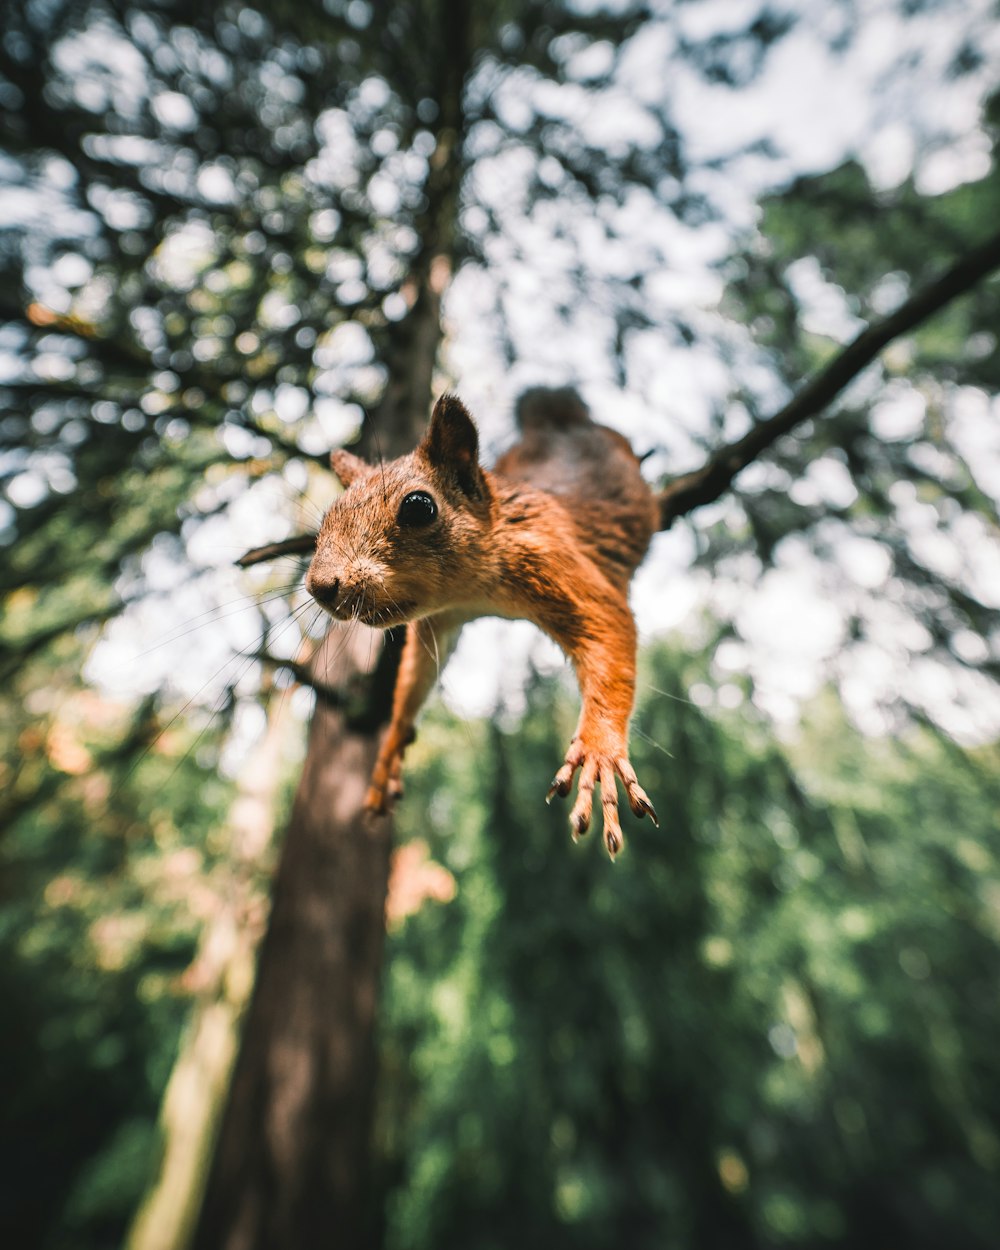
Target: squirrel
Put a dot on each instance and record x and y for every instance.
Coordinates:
(553, 534)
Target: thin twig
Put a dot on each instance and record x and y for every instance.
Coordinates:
(303, 675)
(362, 700)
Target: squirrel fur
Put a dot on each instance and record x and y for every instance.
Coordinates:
(553, 534)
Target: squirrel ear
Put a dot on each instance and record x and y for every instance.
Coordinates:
(452, 443)
(346, 466)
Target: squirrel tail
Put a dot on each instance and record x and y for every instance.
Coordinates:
(546, 408)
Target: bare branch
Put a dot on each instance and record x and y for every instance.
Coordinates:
(363, 698)
(302, 673)
(300, 545)
(713, 479)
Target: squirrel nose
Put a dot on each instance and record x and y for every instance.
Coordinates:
(325, 593)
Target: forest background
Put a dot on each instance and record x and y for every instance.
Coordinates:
(232, 238)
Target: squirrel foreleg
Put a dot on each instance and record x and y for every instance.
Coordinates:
(604, 658)
(429, 643)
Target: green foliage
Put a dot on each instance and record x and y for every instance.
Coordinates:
(769, 1023)
(106, 878)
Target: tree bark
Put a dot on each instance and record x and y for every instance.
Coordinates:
(290, 1168)
(222, 970)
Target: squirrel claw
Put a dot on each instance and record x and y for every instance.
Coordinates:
(644, 808)
(640, 804)
(638, 799)
(562, 781)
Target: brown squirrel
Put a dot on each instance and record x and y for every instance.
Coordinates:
(552, 535)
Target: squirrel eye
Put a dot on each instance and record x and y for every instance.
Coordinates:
(418, 508)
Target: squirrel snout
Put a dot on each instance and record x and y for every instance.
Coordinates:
(351, 592)
(325, 593)
(341, 600)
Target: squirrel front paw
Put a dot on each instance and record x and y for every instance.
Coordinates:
(382, 795)
(386, 785)
(602, 766)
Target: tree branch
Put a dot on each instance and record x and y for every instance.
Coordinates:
(303, 675)
(299, 545)
(364, 698)
(713, 479)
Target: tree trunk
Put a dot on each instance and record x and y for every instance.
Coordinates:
(223, 969)
(293, 1166)
(290, 1170)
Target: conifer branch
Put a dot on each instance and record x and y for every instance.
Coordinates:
(713, 479)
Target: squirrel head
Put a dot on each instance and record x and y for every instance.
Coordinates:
(408, 536)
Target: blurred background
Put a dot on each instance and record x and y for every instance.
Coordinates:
(232, 238)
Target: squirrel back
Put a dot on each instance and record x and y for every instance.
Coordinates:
(590, 468)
